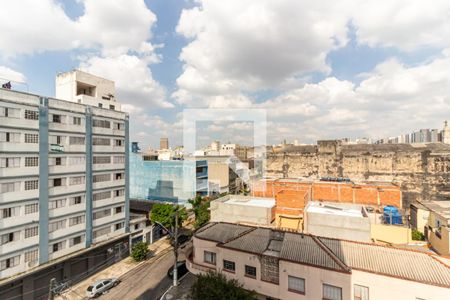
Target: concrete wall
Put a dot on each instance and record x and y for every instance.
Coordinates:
(386, 287)
(422, 171)
(338, 226)
(237, 213)
(391, 233)
(219, 173)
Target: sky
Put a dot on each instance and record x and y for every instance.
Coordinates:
(321, 69)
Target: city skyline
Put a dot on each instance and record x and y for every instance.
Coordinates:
(350, 73)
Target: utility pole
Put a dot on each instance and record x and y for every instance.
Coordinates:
(50, 288)
(175, 249)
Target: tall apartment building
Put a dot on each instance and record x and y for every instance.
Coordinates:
(63, 172)
(164, 143)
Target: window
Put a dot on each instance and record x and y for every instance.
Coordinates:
(9, 237)
(9, 262)
(9, 162)
(57, 182)
(9, 212)
(119, 193)
(57, 247)
(119, 159)
(56, 118)
(32, 231)
(111, 106)
(100, 232)
(76, 180)
(209, 257)
(229, 265)
(9, 137)
(119, 176)
(31, 114)
(31, 208)
(331, 292)
(102, 159)
(9, 187)
(118, 126)
(296, 284)
(76, 121)
(31, 255)
(54, 204)
(100, 105)
(76, 240)
(9, 112)
(101, 142)
(119, 143)
(76, 140)
(101, 178)
(361, 292)
(250, 271)
(31, 161)
(101, 195)
(118, 209)
(101, 123)
(119, 226)
(58, 161)
(76, 220)
(77, 160)
(31, 185)
(101, 214)
(57, 225)
(76, 200)
(31, 138)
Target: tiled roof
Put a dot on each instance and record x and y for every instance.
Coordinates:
(221, 232)
(405, 264)
(329, 253)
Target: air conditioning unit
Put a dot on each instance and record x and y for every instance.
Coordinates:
(31, 264)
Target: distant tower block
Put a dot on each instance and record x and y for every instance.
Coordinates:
(164, 144)
(446, 133)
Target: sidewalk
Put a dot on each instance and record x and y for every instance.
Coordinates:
(117, 270)
(182, 291)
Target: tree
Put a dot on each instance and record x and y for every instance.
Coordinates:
(164, 214)
(200, 207)
(215, 286)
(139, 251)
(417, 235)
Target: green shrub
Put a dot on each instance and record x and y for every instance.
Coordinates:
(139, 251)
(215, 286)
(417, 235)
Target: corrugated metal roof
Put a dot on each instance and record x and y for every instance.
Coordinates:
(395, 262)
(256, 241)
(221, 232)
(305, 250)
(329, 253)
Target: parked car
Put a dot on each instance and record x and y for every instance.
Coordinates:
(101, 286)
(181, 267)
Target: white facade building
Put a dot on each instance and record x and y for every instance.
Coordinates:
(63, 172)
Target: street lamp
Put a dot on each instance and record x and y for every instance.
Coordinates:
(175, 246)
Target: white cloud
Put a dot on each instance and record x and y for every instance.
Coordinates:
(134, 82)
(29, 26)
(7, 74)
(393, 99)
(248, 45)
(403, 24)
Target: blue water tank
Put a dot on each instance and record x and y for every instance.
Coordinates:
(392, 215)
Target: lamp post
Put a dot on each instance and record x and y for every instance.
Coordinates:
(175, 246)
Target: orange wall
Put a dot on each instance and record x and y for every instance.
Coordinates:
(296, 194)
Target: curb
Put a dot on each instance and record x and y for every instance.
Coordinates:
(168, 290)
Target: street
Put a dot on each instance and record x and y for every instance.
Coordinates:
(148, 282)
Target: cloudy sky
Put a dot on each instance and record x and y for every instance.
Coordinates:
(322, 69)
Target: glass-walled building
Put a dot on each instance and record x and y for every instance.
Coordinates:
(170, 180)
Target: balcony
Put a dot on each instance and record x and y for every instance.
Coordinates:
(19, 171)
(109, 219)
(109, 201)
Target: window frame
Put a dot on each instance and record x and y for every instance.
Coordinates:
(213, 255)
(331, 286)
(230, 263)
(293, 289)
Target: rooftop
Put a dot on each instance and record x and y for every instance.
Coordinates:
(337, 209)
(251, 201)
(442, 208)
(333, 254)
